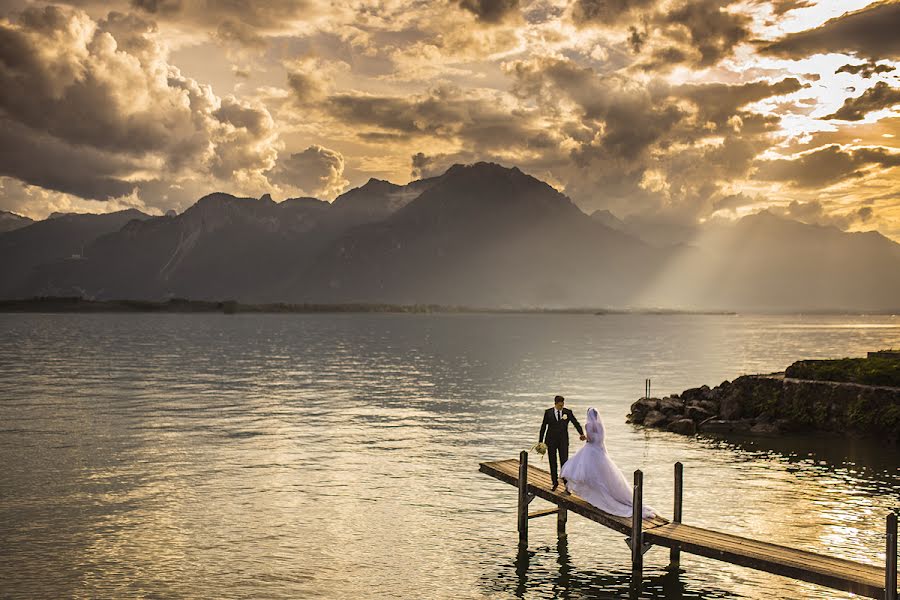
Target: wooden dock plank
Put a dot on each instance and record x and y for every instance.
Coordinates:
(837, 573)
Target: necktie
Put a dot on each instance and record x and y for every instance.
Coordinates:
(558, 416)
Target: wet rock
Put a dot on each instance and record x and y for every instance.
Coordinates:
(640, 409)
(763, 428)
(683, 426)
(730, 407)
(655, 419)
(671, 406)
(698, 413)
(695, 394)
(724, 426)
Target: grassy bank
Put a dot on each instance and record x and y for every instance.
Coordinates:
(868, 371)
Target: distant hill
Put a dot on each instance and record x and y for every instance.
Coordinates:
(481, 235)
(53, 240)
(768, 262)
(478, 235)
(10, 221)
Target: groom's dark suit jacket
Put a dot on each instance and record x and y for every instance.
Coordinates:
(556, 432)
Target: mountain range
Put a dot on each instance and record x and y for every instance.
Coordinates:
(478, 235)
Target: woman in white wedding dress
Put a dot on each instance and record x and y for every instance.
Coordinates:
(593, 475)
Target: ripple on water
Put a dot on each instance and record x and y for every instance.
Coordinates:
(336, 455)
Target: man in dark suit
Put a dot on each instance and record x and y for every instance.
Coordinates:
(556, 428)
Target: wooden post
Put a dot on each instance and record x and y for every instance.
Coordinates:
(561, 517)
(523, 498)
(675, 553)
(890, 562)
(637, 537)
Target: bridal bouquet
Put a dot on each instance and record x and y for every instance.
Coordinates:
(540, 448)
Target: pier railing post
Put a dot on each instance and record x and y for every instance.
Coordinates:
(675, 553)
(637, 535)
(523, 498)
(890, 562)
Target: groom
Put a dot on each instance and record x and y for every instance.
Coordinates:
(556, 428)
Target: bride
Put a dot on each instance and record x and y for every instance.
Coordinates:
(593, 475)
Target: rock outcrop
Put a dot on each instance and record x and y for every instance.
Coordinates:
(772, 404)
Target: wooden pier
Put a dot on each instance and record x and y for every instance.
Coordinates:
(862, 579)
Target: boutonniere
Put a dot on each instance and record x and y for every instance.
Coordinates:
(565, 417)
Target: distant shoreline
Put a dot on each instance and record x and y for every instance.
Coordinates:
(60, 304)
(178, 305)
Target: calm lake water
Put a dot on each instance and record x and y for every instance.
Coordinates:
(297, 456)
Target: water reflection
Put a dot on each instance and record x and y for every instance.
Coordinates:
(336, 455)
(549, 572)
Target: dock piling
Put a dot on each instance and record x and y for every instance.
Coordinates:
(523, 498)
(890, 562)
(675, 553)
(637, 538)
(561, 517)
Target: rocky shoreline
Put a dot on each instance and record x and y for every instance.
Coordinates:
(774, 404)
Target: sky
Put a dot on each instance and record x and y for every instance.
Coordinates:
(657, 110)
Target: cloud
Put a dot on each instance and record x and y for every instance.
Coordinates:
(316, 171)
(815, 212)
(698, 32)
(246, 23)
(710, 29)
(444, 112)
(490, 11)
(866, 69)
(105, 90)
(869, 32)
(826, 166)
(879, 96)
(607, 12)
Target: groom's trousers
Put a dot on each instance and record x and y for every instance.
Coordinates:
(560, 447)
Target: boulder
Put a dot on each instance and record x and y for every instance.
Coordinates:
(671, 406)
(698, 413)
(655, 419)
(724, 426)
(763, 428)
(730, 407)
(695, 394)
(640, 409)
(683, 426)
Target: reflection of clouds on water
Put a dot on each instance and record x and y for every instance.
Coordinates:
(298, 455)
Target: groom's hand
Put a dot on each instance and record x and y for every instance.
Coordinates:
(582, 437)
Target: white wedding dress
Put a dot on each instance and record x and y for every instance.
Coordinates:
(593, 475)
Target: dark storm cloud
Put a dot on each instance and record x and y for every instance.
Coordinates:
(700, 32)
(53, 164)
(107, 88)
(879, 96)
(445, 113)
(781, 7)
(870, 32)
(718, 102)
(490, 11)
(708, 28)
(607, 12)
(826, 166)
(865, 70)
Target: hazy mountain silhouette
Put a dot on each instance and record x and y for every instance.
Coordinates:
(51, 241)
(479, 235)
(769, 262)
(10, 221)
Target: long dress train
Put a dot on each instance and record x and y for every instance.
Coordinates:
(593, 475)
